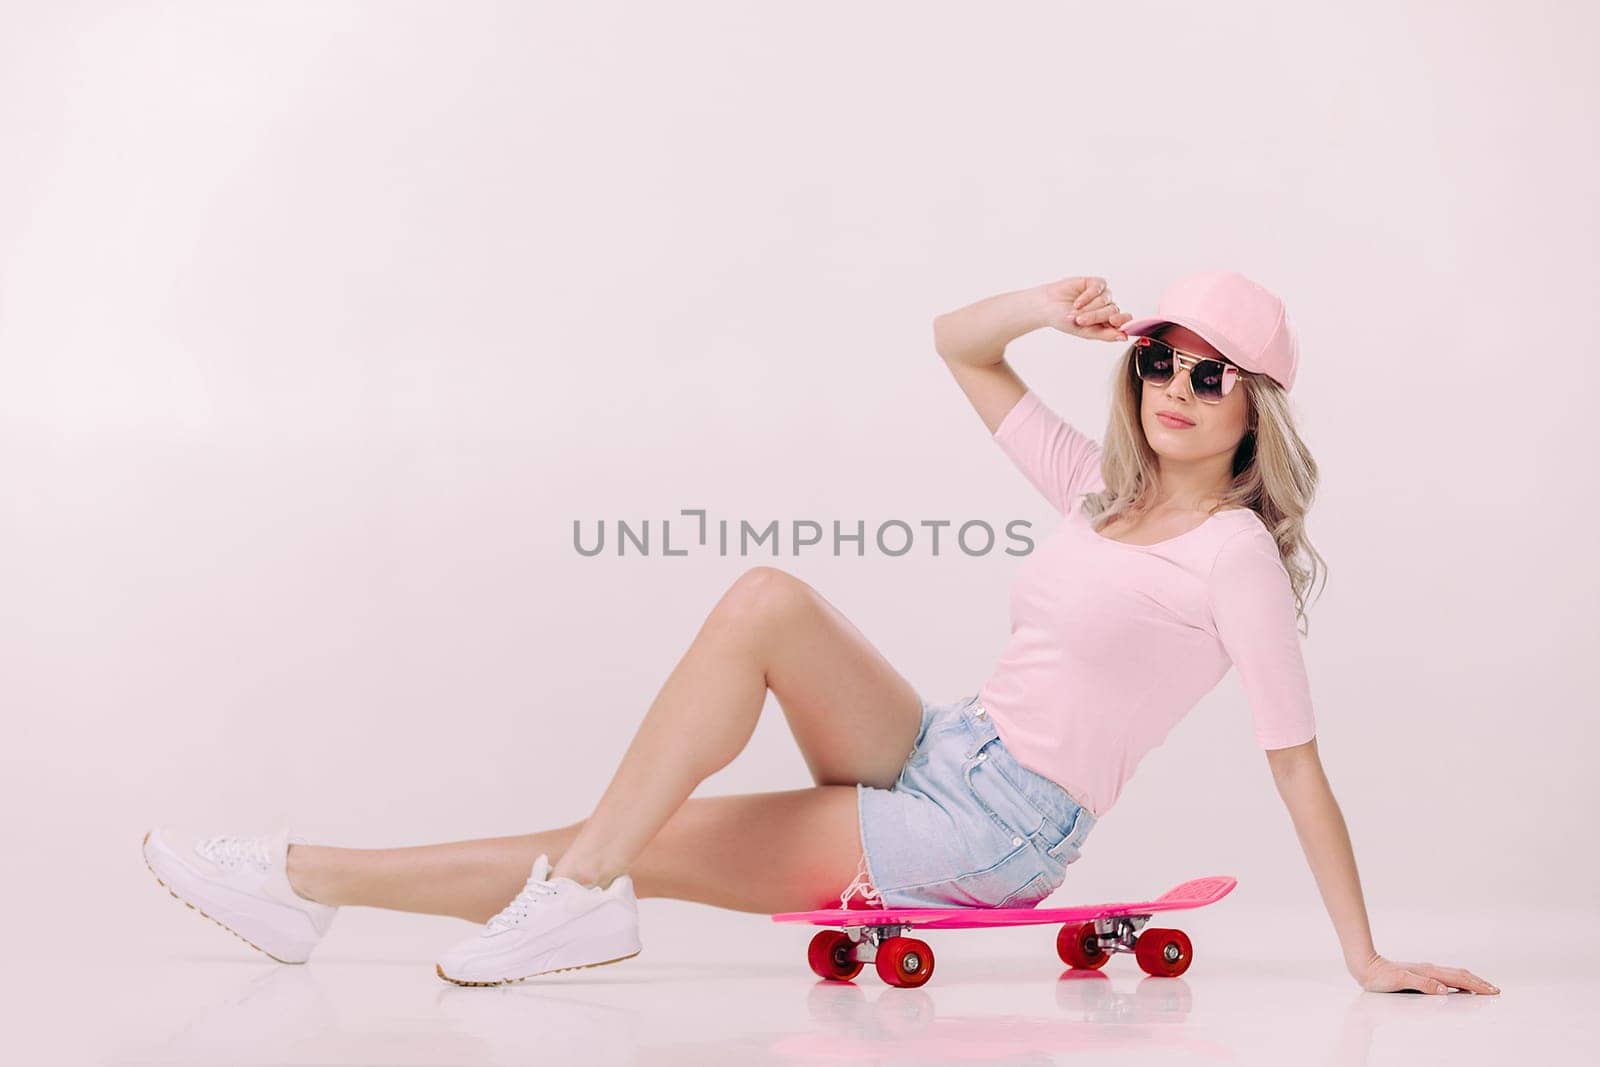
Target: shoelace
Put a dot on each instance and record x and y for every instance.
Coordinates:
(227, 851)
(863, 883)
(514, 912)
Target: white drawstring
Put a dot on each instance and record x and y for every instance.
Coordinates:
(863, 882)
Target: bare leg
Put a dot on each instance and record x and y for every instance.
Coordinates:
(765, 852)
(853, 716)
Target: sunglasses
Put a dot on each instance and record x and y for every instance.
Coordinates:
(1210, 379)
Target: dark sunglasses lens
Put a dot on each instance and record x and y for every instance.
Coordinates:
(1153, 360)
(1205, 378)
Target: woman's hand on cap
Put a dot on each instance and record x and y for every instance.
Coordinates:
(1084, 307)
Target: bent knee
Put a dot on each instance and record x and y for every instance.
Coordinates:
(762, 592)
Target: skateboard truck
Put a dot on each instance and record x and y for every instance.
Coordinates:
(1119, 933)
(867, 939)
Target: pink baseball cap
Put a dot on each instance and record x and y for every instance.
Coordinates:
(1236, 316)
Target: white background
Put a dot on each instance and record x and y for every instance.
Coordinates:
(321, 323)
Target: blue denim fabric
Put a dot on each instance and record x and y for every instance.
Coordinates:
(966, 825)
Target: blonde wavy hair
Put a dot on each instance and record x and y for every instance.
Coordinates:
(1274, 473)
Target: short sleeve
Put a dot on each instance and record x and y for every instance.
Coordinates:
(1060, 460)
(1253, 607)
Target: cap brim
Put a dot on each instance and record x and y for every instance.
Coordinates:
(1143, 327)
(1140, 327)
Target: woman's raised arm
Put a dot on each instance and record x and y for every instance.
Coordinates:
(972, 340)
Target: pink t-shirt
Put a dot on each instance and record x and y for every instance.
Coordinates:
(1112, 644)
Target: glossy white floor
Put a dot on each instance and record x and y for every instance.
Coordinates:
(715, 987)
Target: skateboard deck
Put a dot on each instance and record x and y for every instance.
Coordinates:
(1193, 894)
(1089, 935)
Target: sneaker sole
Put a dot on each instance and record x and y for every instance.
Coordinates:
(554, 970)
(173, 893)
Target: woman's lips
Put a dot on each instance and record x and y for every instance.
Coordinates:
(1173, 421)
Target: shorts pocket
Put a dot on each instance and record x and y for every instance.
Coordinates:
(937, 723)
(1036, 889)
(1021, 879)
(919, 747)
(985, 774)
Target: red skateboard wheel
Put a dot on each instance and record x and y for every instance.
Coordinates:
(1078, 947)
(1163, 953)
(832, 956)
(905, 961)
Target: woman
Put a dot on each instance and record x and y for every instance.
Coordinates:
(1177, 557)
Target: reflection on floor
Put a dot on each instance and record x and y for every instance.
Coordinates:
(720, 988)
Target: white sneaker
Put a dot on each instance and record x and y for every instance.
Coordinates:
(242, 885)
(552, 925)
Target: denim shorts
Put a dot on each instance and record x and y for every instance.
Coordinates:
(966, 825)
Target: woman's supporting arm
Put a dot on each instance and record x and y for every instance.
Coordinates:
(1320, 824)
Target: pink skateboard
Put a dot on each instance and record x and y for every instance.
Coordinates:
(1089, 936)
